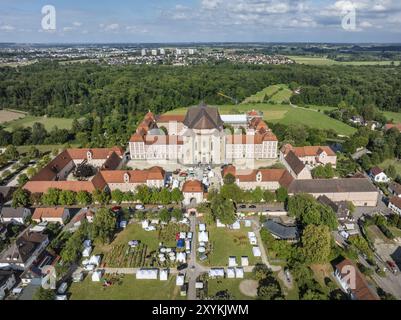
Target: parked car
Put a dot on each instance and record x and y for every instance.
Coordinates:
(63, 288)
(392, 266)
(139, 207)
(252, 206)
(242, 206)
(182, 266)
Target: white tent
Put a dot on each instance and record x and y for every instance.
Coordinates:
(239, 273)
(251, 234)
(155, 221)
(183, 235)
(96, 276)
(87, 252)
(216, 272)
(181, 257)
(244, 261)
(248, 223)
(211, 174)
(95, 260)
(187, 245)
(163, 275)
(256, 251)
(219, 224)
(145, 224)
(236, 225)
(176, 184)
(180, 280)
(189, 235)
(232, 262)
(150, 274)
(203, 236)
(230, 273)
(253, 240)
(201, 249)
(199, 285)
(202, 227)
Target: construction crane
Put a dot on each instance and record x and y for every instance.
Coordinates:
(228, 97)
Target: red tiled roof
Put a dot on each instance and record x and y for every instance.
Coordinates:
(396, 201)
(170, 118)
(136, 137)
(229, 169)
(97, 153)
(375, 171)
(76, 186)
(266, 175)
(307, 151)
(135, 176)
(192, 186)
(50, 171)
(47, 213)
(361, 290)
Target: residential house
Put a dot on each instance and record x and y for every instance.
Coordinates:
(395, 189)
(311, 155)
(282, 231)
(14, 215)
(76, 221)
(359, 191)
(193, 192)
(51, 215)
(7, 282)
(395, 205)
(267, 179)
(343, 214)
(378, 175)
(295, 166)
(353, 282)
(24, 250)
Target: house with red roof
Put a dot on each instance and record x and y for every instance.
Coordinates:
(51, 215)
(311, 155)
(193, 192)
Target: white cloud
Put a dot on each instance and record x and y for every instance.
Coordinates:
(77, 24)
(7, 28)
(112, 27)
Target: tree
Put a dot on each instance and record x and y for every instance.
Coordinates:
(22, 179)
(229, 178)
(269, 196)
(104, 225)
(177, 196)
(391, 171)
(51, 197)
(84, 198)
(144, 194)
(164, 196)
(232, 192)
(21, 198)
(11, 153)
(177, 214)
(44, 294)
(165, 215)
(67, 198)
(223, 209)
(316, 244)
(269, 290)
(102, 197)
(257, 195)
(281, 194)
(33, 152)
(117, 196)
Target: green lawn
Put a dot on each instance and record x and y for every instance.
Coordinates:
(226, 243)
(44, 148)
(48, 122)
(394, 116)
(287, 115)
(322, 61)
(278, 93)
(232, 285)
(396, 163)
(129, 289)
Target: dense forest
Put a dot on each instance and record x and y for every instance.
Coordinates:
(81, 89)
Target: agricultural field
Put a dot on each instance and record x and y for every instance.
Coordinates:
(48, 122)
(119, 254)
(322, 61)
(10, 115)
(276, 93)
(126, 288)
(224, 243)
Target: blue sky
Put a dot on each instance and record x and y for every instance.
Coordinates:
(201, 21)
